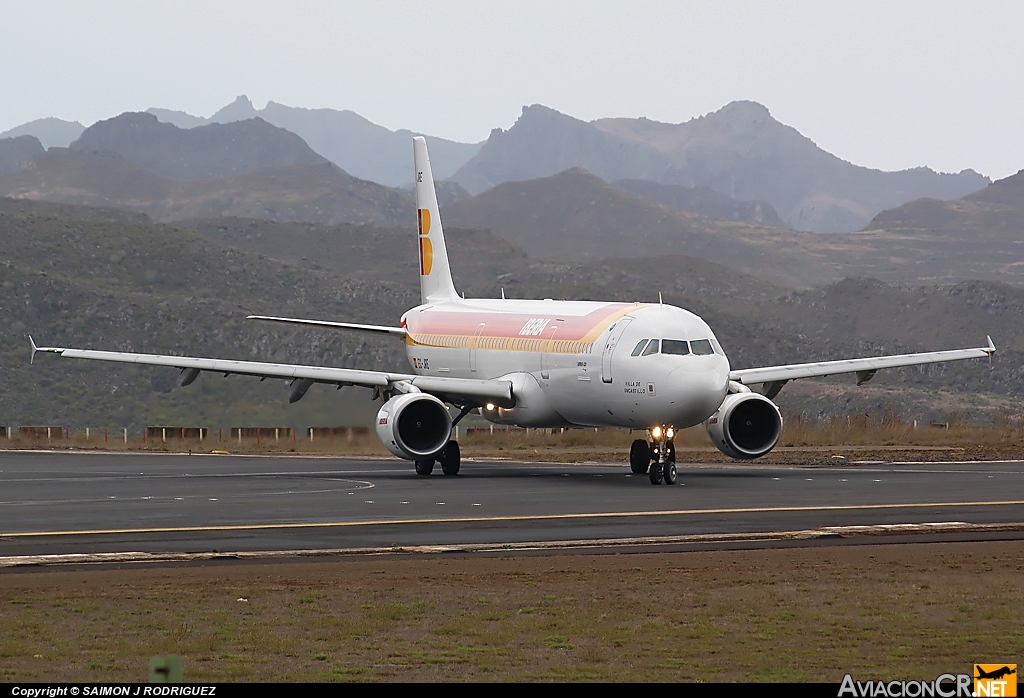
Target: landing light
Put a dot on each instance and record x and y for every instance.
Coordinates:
(669, 433)
(656, 432)
(490, 406)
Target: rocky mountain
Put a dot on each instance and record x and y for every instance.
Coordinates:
(572, 216)
(994, 213)
(739, 151)
(366, 252)
(202, 153)
(705, 201)
(979, 236)
(14, 151)
(350, 141)
(50, 131)
(317, 192)
(575, 216)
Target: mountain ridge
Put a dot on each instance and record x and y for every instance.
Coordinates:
(739, 151)
(202, 153)
(353, 142)
(317, 192)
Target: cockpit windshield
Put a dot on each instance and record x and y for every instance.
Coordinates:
(701, 347)
(675, 346)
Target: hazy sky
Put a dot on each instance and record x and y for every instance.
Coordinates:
(883, 84)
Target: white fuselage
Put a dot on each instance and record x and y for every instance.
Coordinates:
(576, 363)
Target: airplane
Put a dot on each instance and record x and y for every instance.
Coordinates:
(995, 674)
(546, 363)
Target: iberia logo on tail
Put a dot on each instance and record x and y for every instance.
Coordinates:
(426, 250)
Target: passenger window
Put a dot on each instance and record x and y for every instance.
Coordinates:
(639, 348)
(652, 348)
(675, 346)
(702, 347)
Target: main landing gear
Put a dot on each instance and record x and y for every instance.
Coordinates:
(450, 459)
(656, 457)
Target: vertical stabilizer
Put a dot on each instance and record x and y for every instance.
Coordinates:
(435, 274)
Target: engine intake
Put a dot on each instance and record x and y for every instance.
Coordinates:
(746, 425)
(414, 426)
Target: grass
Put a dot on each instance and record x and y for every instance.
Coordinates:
(813, 614)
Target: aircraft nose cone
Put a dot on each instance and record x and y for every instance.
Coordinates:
(700, 391)
(711, 378)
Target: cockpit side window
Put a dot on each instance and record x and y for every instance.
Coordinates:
(717, 346)
(639, 347)
(652, 348)
(702, 347)
(675, 346)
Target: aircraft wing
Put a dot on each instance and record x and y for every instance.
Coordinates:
(864, 368)
(464, 390)
(375, 329)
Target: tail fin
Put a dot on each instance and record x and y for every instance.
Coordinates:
(435, 274)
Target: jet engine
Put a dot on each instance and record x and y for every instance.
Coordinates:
(414, 426)
(746, 425)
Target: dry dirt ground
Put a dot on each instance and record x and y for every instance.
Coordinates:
(801, 614)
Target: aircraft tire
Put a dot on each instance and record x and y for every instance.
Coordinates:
(639, 457)
(425, 467)
(451, 458)
(656, 474)
(669, 472)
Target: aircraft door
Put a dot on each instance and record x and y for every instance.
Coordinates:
(614, 335)
(473, 345)
(546, 357)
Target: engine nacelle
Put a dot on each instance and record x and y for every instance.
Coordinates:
(746, 425)
(414, 426)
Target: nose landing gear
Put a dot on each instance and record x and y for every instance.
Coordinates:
(661, 450)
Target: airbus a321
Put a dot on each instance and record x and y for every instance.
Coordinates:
(547, 363)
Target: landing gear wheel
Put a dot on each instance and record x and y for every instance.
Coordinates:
(639, 457)
(451, 458)
(669, 472)
(425, 467)
(655, 473)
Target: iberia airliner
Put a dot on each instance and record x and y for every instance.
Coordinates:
(547, 363)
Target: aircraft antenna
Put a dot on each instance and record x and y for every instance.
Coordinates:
(660, 302)
(502, 293)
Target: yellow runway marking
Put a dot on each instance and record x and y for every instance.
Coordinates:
(495, 519)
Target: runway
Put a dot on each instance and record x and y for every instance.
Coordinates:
(64, 503)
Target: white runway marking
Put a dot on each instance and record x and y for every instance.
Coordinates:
(661, 541)
(490, 519)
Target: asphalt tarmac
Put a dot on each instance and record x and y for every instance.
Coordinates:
(64, 503)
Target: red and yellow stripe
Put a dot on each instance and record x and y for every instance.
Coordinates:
(502, 331)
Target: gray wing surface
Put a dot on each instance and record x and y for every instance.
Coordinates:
(463, 390)
(864, 368)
